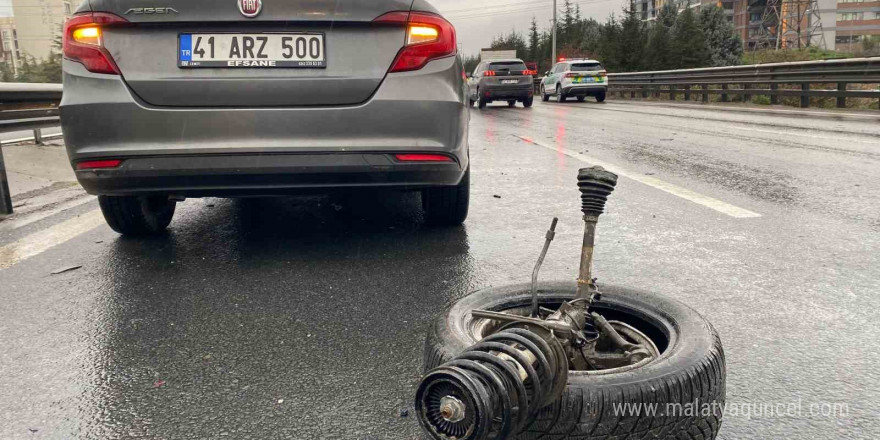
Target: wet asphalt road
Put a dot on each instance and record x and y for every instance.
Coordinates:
(304, 318)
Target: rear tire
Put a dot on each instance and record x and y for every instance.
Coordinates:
(511, 103)
(482, 101)
(544, 96)
(560, 95)
(447, 205)
(137, 215)
(528, 102)
(581, 98)
(600, 97)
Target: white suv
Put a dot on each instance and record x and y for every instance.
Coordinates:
(578, 78)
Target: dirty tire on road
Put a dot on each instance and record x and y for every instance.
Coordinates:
(690, 369)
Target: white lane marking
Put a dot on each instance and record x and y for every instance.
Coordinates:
(48, 238)
(709, 202)
(15, 223)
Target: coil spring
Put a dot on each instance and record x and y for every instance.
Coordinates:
(494, 389)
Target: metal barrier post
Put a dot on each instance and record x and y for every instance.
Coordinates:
(805, 98)
(746, 96)
(774, 98)
(724, 95)
(687, 93)
(5, 197)
(672, 93)
(841, 100)
(705, 93)
(38, 136)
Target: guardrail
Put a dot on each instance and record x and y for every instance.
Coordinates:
(745, 81)
(25, 107)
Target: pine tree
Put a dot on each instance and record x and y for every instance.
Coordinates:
(724, 45)
(668, 13)
(512, 41)
(608, 47)
(659, 55)
(567, 30)
(534, 41)
(689, 42)
(632, 42)
(659, 52)
(591, 37)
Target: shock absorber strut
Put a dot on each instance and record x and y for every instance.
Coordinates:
(494, 389)
(596, 185)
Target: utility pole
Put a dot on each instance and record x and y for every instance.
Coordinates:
(553, 61)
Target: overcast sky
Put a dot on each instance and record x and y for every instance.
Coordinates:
(477, 21)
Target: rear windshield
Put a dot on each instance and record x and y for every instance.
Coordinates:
(586, 67)
(513, 66)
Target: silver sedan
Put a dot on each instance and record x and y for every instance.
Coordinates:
(230, 98)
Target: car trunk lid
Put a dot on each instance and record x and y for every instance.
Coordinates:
(357, 52)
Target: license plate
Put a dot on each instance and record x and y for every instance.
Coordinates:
(584, 79)
(510, 81)
(252, 50)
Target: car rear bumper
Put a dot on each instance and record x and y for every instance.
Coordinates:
(507, 92)
(190, 149)
(267, 174)
(585, 89)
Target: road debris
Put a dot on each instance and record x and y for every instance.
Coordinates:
(65, 269)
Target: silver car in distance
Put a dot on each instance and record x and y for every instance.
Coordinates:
(240, 98)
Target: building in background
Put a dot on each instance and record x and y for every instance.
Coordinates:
(830, 24)
(855, 21)
(38, 24)
(9, 53)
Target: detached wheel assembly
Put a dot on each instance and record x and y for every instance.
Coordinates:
(572, 360)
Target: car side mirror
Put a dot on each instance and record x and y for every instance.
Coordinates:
(547, 73)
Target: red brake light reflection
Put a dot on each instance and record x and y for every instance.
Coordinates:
(98, 164)
(422, 158)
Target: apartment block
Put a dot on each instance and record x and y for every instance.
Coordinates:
(38, 25)
(845, 24)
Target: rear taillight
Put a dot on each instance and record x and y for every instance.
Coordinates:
(603, 74)
(428, 37)
(83, 41)
(98, 164)
(530, 72)
(422, 158)
(489, 73)
(570, 75)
